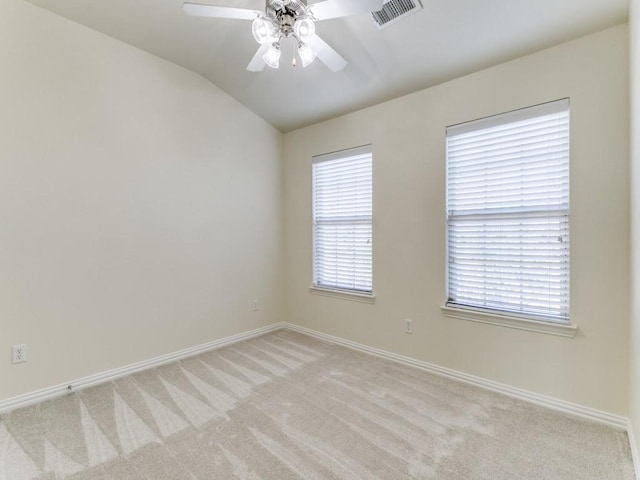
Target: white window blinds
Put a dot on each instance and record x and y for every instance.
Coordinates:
(342, 214)
(508, 213)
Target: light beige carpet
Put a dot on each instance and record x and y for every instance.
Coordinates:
(286, 406)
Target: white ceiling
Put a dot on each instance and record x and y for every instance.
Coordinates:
(445, 40)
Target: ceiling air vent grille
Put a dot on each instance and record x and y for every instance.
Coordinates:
(394, 10)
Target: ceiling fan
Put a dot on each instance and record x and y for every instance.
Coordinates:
(294, 19)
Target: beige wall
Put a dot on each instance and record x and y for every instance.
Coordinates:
(140, 206)
(634, 398)
(409, 230)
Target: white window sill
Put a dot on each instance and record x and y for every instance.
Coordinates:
(343, 294)
(519, 323)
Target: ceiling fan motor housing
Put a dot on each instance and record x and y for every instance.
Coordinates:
(285, 12)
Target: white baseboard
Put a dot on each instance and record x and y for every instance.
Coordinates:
(592, 414)
(91, 380)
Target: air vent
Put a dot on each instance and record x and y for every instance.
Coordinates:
(394, 10)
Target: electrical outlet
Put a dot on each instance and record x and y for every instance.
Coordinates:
(254, 305)
(408, 326)
(19, 353)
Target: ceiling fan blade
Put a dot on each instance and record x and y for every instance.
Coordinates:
(257, 63)
(343, 8)
(201, 10)
(326, 54)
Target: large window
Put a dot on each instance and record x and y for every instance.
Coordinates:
(342, 214)
(508, 213)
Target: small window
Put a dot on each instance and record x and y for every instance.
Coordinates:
(342, 221)
(508, 213)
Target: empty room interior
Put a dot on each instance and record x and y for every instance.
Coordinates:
(349, 239)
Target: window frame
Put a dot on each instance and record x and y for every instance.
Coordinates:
(335, 290)
(514, 319)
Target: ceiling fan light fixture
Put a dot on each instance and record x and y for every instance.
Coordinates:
(272, 57)
(304, 29)
(306, 54)
(262, 30)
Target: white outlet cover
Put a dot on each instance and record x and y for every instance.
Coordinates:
(19, 353)
(408, 326)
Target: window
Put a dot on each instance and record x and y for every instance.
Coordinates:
(342, 214)
(508, 214)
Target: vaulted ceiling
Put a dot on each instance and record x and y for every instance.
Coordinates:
(446, 39)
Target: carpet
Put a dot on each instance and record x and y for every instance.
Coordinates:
(287, 406)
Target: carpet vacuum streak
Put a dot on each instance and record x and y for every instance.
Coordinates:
(287, 406)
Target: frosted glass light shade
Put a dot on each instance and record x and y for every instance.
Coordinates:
(272, 57)
(306, 54)
(304, 29)
(262, 30)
